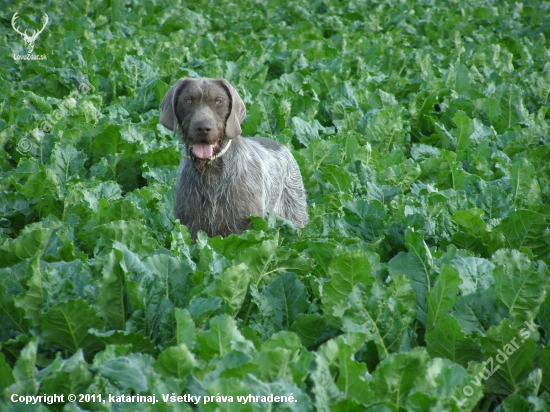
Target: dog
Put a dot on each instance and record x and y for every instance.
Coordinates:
(224, 178)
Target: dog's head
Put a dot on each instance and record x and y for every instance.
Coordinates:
(208, 112)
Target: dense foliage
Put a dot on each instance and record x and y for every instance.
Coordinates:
(422, 132)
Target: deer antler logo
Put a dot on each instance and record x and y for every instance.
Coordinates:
(29, 40)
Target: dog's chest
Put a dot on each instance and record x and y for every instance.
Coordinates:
(221, 199)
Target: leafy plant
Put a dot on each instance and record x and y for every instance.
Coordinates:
(420, 282)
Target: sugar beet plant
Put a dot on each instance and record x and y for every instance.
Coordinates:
(422, 132)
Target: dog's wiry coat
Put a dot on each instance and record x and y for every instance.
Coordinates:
(254, 176)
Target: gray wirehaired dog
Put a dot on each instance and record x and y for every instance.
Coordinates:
(224, 178)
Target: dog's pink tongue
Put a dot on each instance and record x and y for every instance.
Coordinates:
(203, 150)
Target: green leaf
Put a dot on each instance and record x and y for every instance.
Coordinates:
(335, 180)
(201, 309)
(322, 254)
(520, 284)
(395, 377)
(135, 341)
(417, 266)
(385, 129)
(6, 377)
(125, 372)
(322, 152)
(506, 109)
(353, 376)
(368, 219)
(447, 386)
(133, 234)
(478, 311)
(453, 176)
(31, 242)
(346, 270)
(443, 295)
(221, 338)
(258, 259)
(273, 364)
(476, 274)
(512, 352)
(544, 363)
(12, 319)
(382, 315)
(464, 129)
(306, 132)
(112, 293)
(494, 202)
(301, 402)
(175, 275)
(279, 304)
(525, 229)
(72, 377)
(525, 187)
(121, 153)
(66, 161)
(185, 328)
(44, 186)
(231, 286)
(66, 325)
(175, 361)
(447, 340)
(309, 327)
(24, 371)
(459, 80)
(324, 388)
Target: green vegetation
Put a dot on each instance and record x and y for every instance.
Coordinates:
(420, 283)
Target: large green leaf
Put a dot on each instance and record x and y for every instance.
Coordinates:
(24, 371)
(447, 340)
(442, 297)
(66, 325)
(395, 377)
(525, 229)
(525, 187)
(221, 338)
(32, 241)
(231, 286)
(417, 265)
(112, 294)
(509, 353)
(279, 304)
(346, 270)
(71, 376)
(175, 361)
(385, 315)
(13, 319)
(520, 284)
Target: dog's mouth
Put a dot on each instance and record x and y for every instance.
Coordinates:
(204, 150)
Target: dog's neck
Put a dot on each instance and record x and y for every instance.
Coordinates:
(223, 149)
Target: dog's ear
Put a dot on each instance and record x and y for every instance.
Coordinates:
(237, 114)
(167, 114)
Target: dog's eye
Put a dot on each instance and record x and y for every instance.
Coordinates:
(218, 101)
(189, 101)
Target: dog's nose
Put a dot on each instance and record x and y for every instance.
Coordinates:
(203, 128)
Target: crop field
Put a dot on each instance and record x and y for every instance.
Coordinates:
(422, 132)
